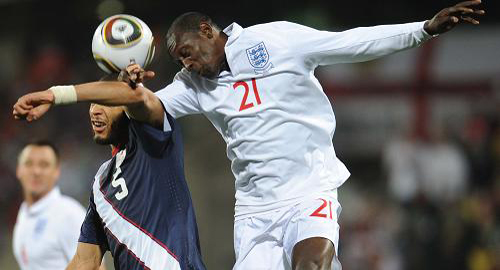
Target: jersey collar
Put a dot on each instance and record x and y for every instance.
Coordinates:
(233, 31)
(116, 149)
(44, 202)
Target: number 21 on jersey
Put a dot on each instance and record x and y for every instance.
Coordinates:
(120, 182)
(324, 211)
(245, 104)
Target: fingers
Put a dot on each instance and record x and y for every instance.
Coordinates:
(133, 68)
(19, 115)
(468, 3)
(468, 7)
(123, 76)
(460, 10)
(37, 112)
(469, 20)
(463, 12)
(21, 109)
(479, 12)
(133, 73)
(30, 107)
(149, 74)
(23, 103)
(144, 75)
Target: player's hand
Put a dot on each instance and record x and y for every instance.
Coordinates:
(32, 106)
(134, 75)
(448, 18)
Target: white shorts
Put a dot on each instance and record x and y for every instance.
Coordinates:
(266, 241)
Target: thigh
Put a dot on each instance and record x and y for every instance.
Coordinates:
(258, 243)
(313, 253)
(315, 219)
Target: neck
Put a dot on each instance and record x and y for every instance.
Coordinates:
(223, 38)
(224, 65)
(31, 198)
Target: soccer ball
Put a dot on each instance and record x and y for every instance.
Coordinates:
(120, 39)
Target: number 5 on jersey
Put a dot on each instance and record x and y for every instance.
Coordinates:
(120, 182)
(244, 103)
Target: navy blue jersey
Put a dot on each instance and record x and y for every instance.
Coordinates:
(140, 208)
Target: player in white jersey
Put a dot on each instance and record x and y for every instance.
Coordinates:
(48, 223)
(257, 87)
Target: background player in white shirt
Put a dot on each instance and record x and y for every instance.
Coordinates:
(257, 87)
(48, 224)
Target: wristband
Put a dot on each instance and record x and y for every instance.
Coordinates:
(64, 94)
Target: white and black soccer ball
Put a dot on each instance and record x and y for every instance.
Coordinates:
(120, 39)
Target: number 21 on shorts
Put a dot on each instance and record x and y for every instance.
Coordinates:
(322, 212)
(244, 103)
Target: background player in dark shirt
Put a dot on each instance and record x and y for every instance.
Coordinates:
(140, 207)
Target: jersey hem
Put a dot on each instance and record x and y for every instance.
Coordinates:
(276, 206)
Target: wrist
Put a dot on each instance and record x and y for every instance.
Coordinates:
(48, 96)
(428, 30)
(63, 94)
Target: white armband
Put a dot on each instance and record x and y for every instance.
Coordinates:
(64, 94)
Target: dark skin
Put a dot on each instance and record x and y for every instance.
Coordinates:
(203, 53)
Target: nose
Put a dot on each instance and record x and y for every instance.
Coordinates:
(95, 109)
(36, 170)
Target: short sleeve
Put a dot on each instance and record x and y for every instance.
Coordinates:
(179, 98)
(92, 229)
(69, 231)
(354, 45)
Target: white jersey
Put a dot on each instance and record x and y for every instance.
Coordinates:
(46, 233)
(272, 112)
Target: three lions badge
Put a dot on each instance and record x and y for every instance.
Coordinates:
(259, 58)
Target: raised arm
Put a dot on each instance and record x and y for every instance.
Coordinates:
(367, 43)
(87, 257)
(140, 103)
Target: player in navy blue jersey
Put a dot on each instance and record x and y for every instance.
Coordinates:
(140, 206)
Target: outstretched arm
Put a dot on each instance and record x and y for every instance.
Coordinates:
(140, 103)
(367, 43)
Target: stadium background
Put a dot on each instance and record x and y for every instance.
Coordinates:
(418, 130)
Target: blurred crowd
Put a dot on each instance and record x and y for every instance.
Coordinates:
(421, 201)
(437, 207)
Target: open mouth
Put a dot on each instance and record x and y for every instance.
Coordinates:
(98, 126)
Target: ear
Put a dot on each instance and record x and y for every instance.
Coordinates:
(206, 30)
(18, 172)
(58, 171)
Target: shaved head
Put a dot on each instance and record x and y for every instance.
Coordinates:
(186, 23)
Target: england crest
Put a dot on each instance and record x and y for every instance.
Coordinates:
(259, 58)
